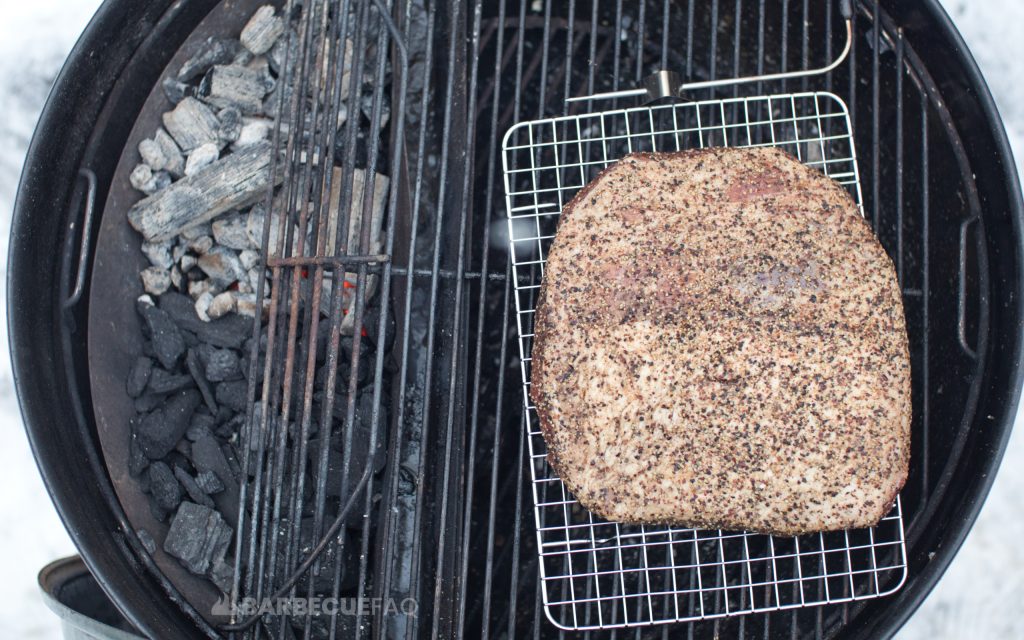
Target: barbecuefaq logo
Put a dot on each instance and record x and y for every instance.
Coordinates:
(316, 606)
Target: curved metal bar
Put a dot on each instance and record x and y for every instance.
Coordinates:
(657, 79)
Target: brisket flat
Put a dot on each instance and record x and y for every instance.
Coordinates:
(720, 343)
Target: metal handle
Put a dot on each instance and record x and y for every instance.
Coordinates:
(661, 83)
(83, 252)
(961, 302)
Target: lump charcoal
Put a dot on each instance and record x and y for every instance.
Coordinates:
(378, 207)
(200, 426)
(148, 543)
(209, 482)
(230, 331)
(196, 231)
(176, 91)
(200, 244)
(254, 130)
(158, 254)
(187, 262)
(137, 461)
(233, 86)
(203, 301)
(176, 277)
(207, 455)
(143, 178)
(163, 486)
(230, 231)
(155, 280)
(158, 512)
(262, 31)
(222, 266)
(195, 369)
(222, 365)
(160, 431)
(221, 305)
(148, 401)
(230, 124)
(232, 394)
(161, 153)
(262, 66)
(202, 156)
(230, 183)
(222, 574)
(162, 381)
(138, 376)
(168, 344)
(191, 124)
(249, 257)
(212, 52)
(197, 537)
(190, 339)
(193, 489)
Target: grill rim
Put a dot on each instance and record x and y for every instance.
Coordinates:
(42, 390)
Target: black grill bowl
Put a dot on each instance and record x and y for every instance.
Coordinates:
(927, 134)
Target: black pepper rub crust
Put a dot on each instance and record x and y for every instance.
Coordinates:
(719, 343)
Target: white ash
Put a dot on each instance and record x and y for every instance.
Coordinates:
(196, 231)
(222, 266)
(262, 31)
(144, 179)
(158, 254)
(203, 302)
(202, 156)
(161, 153)
(200, 245)
(155, 280)
(253, 130)
(234, 86)
(221, 305)
(249, 258)
(192, 124)
(230, 231)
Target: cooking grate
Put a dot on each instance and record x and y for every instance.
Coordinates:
(596, 574)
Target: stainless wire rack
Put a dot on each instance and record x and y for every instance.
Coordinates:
(596, 574)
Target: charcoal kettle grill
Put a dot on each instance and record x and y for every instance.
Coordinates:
(445, 520)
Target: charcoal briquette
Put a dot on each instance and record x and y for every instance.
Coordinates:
(200, 426)
(230, 331)
(137, 460)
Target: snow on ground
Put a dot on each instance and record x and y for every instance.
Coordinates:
(978, 598)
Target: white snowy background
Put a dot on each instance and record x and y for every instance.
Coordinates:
(981, 596)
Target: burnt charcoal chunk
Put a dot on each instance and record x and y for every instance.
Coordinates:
(212, 52)
(161, 430)
(163, 486)
(223, 364)
(232, 394)
(148, 543)
(229, 331)
(198, 537)
(195, 367)
(232, 459)
(164, 382)
(192, 488)
(138, 376)
(209, 482)
(168, 344)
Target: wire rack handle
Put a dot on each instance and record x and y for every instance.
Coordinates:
(665, 84)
